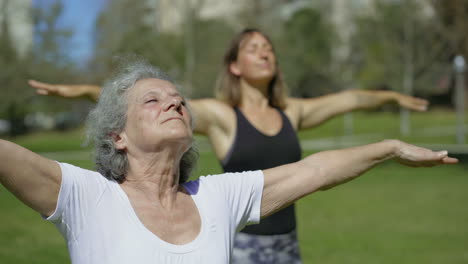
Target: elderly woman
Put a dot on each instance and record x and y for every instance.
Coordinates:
(138, 207)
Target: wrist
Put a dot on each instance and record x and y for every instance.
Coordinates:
(87, 90)
(391, 96)
(91, 91)
(392, 147)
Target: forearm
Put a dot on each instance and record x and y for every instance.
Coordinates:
(318, 110)
(339, 166)
(371, 99)
(324, 170)
(92, 91)
(320, 171)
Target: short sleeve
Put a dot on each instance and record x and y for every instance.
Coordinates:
(80, 188)
(242, 193)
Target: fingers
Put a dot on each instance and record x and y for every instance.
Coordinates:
(415, 106)
(443, 158)
(442, 153)
(420, 104)
(449, 160)
(40, 85)
(42, 88)
(42, 92)
(421, 157)
(414, 103)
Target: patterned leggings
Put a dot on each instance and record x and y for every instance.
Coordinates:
(261, 249)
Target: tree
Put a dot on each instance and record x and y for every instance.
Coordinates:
(46, 61)
(305, 52)
(452, 18)
(397, 43)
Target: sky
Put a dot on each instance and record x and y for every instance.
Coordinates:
(78, 16)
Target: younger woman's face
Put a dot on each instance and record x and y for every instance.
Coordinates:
(256, 62)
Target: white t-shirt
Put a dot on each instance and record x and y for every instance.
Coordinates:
(100, 226)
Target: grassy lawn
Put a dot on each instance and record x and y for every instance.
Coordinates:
(53, 141)
(426, 127)
(393, 214)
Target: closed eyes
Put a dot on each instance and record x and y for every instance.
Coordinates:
(152, 101)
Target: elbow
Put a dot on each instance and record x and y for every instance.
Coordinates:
(314, 179)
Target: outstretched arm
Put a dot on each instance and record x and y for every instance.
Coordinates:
(214, 118)
(285, 184)
(314, 111)
(66, 90)
(31, 178)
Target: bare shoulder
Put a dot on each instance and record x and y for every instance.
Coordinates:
(211, 112)
(212, 107)
(210, 102)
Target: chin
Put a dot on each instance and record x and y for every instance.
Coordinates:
(180, 136)
(266, 76)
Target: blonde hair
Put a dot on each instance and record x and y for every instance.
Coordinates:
(228, 85)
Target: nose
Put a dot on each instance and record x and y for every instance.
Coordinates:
(173, 102)
(263, 54)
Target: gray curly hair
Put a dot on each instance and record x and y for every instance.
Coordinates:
(110, 116)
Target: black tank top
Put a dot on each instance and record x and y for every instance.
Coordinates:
(253, 150)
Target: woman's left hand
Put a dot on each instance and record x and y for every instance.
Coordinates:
(412, 103)
(415, 156)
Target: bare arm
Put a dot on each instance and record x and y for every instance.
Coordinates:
(31, 178)
(216, 120)
(67, 90)
(213, 118)
(286, 184)
(209, 113)
(314, 111)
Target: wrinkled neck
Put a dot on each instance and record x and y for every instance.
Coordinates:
(156, 175)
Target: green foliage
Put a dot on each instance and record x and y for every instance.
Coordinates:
(211, 40)
(398, 38)
(160, 49)
(167, 50)
(51, 40)
(305, 52)
(13, 69)
(113, 34)
(46, 61)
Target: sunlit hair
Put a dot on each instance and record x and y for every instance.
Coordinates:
(110, 116)
(228, 84)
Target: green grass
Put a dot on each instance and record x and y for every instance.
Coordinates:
(393, 214)
(387, 125)
(53, 141)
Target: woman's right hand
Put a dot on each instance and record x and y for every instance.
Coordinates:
(65, 90)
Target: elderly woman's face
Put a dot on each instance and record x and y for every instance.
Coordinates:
(156, 117)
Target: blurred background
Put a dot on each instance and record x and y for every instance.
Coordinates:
(323, 47)
(416, 47)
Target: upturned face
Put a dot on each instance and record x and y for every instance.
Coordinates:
(256, 61)
(156, 118)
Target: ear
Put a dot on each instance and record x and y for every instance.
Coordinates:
(234, 69)
(119, 141)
